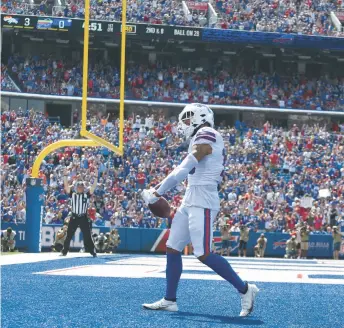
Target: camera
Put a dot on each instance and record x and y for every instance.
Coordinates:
(101, 239)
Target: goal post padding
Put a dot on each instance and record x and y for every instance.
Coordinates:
(34, 213)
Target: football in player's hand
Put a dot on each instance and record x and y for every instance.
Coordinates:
(161, 208)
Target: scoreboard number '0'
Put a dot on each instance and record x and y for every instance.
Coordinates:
(96, 27)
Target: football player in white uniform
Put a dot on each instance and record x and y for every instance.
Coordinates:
(193, 221)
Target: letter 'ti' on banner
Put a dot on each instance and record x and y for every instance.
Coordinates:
(34, 213)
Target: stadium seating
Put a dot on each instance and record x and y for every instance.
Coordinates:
(47, 75)
(309, 17)
(6, 82)
(272, 177)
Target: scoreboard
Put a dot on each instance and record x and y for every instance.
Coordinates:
(76, 26)
(36, 23)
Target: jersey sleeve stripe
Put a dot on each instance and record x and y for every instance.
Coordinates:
(206, 137)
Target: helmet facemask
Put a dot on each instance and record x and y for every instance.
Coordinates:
(185, 126)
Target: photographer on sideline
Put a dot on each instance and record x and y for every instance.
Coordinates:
(113, 241)
(8, 242)
(291, 248)
(60, 237)
(337, 241)
(244, 236)
(101, 243)
(259, 249)
(225, 236)
(304, 232)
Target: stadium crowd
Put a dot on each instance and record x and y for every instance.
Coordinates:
(6, 82)
(49, 75)
(273, 179)
(287, 16)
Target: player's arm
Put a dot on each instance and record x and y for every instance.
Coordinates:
(181, 172)
(178, 175)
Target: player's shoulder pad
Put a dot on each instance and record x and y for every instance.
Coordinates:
(206, 134)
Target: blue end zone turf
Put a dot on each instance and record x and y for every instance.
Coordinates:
(36, 300)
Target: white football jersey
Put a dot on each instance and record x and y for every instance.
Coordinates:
(203, 180)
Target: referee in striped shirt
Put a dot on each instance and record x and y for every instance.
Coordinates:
(80, 199)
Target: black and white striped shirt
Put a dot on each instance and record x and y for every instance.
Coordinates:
(80, 202)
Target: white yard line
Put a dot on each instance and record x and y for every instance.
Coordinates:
(39, 257)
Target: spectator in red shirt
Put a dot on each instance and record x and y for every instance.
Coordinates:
(274, 160)
(92, 213)
(141, 179)
(317, 222)
(5, 158)
(291, 222)
(19, 149)
(266, 127)
(309, 144)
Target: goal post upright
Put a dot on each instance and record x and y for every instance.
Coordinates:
(84, 132)
(85, 67)
(123, 77)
